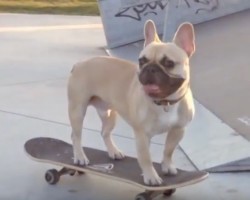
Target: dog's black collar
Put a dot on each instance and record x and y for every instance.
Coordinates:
(166, 102)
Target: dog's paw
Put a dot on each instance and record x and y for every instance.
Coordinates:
(169, 169)
(152, 178)
(115, 154)
(81, 160)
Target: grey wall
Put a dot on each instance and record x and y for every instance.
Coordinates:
(124, 20)
(197, 11)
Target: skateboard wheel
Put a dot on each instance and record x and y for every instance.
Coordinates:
(72, 172)
(52, 176)
(142, 196)
(168, 193)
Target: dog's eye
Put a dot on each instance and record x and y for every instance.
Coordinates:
(170, 64)
(143, 60)
(167, 63)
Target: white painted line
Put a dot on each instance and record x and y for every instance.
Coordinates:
(245, 120)
(49, 28)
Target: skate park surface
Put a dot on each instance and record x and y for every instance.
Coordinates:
(37, 54)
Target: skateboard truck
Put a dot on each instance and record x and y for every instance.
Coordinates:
(52, 176)
(149, 195)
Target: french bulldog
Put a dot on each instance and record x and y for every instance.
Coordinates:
(153, 97)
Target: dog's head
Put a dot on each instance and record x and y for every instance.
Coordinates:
(164, 67)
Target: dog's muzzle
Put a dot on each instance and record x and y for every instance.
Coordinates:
(158, 83)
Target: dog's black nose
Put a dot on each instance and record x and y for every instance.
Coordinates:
(152, 69)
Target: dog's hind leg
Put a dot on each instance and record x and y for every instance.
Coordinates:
(77, 110)
(108, 122)
(108, 118)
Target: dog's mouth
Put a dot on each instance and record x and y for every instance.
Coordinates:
(152, 90)
(158, 83)
(162, 89)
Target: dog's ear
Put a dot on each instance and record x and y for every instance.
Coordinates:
(150, 33)
(185, 38)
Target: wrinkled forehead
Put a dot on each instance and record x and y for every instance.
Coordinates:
(157, 51)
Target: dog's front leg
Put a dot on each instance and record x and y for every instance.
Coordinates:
(150, 175)
(172, 140)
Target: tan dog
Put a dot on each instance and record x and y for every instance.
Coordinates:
(154, 97)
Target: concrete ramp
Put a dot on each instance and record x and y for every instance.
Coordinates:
(197, 11)
(213, 145)
(209, 143)
(217, 140)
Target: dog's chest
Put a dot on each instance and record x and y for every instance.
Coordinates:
(160, 119)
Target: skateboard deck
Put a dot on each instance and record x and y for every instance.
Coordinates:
(60, 153)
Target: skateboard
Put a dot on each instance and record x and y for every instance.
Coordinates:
(60, 153)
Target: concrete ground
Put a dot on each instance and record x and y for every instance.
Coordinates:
(221, 66)
(34, 65)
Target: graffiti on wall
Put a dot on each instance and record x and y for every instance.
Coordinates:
(201, 5)
(137, 9)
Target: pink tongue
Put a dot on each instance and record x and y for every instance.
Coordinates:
(151, 88)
